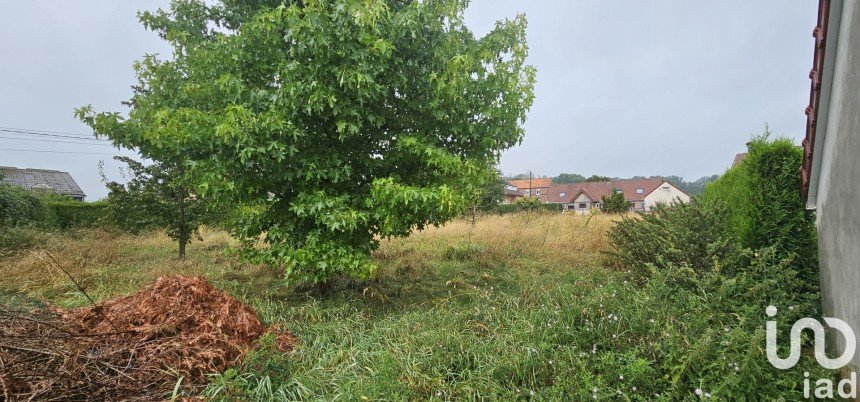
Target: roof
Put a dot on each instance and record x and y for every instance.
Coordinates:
(814, 108)
(739, 158)
(536, 182)
(58, 182)
(596, 190)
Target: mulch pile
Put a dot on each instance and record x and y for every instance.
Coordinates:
(129, 348)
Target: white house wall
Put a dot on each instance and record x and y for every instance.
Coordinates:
(665, 194)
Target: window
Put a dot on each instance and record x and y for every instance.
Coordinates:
(528, 192)
(582, 205)
(665, 188)
(562, 194)
(537, 192)
(640, 190)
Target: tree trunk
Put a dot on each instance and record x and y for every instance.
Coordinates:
(183, 227)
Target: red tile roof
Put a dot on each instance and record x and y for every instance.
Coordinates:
(537, 182)
(820, 34)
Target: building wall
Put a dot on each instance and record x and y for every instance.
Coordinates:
(665, 194)
(578, 208)
(838, 201)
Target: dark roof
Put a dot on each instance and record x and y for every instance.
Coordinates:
(595, 190)
(56, 181)
(820, 35)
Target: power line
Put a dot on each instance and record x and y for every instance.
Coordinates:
(44, 131)
(58, 141)
(55, 152)
(16, 131)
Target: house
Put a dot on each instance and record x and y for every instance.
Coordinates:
(830, 175)
(643, 194)
(511, 194)
(739, 158)
(536, 187)
(43, 180)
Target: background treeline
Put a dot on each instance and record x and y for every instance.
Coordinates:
(691, 187)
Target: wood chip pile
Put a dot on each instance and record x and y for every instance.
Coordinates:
(129, 348)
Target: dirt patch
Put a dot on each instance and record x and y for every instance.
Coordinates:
(129, 348)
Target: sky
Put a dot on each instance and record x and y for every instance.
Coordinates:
(624, 88)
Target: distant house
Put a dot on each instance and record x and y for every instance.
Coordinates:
(643, 194)
(536, 187)
(739, 158)
(43, 180)
(512, 194)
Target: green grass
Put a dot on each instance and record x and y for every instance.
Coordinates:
(517, 307)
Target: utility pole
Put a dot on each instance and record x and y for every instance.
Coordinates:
(530, 184)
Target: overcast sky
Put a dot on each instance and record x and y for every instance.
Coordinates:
(624, 87)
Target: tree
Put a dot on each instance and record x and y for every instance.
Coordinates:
(597, 178)
(155, 197)
(568, 178)
(615, 203)
(492, 192)
(333, 123)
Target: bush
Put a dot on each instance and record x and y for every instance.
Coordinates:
(684, 235)
(73, 214)
(19, 207)
(14, 239)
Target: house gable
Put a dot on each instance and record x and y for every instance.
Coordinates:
(665, 193)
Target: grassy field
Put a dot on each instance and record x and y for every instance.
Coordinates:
(514, 307)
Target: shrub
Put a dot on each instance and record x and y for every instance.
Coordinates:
(19, 207)
(527, 204)
(684, 235)
(14, 239)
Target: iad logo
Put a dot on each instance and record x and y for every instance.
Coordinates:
(824, 386)
(818, 330)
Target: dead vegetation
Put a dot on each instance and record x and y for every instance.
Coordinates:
(139, 347)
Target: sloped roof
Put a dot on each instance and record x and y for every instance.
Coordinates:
(537, 182)
(54, 180)
(595, 190)
(739, 158)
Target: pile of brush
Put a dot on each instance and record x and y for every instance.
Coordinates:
(131, 348)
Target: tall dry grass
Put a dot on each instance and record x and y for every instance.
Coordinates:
(525, 238)
(109, 263)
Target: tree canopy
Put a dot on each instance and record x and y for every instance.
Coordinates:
(155, 198)
(598, 178)
(333, 123)
(568, 178)
(615, 203)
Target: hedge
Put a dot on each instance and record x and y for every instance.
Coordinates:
(762, 197)
(73, 214)
(512, 208)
